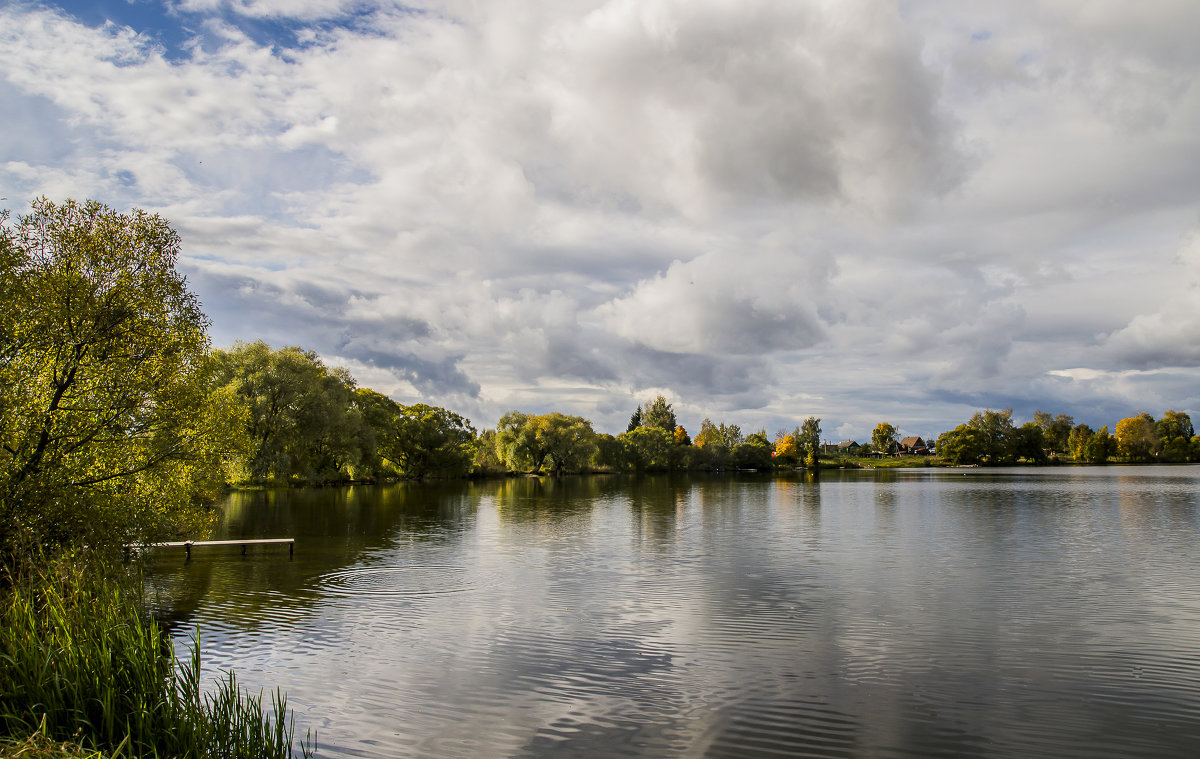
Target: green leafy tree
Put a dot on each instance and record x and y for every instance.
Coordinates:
(810, 434)
(995, 430)
(962, 445)
(716, 444)
(1099, 447)
(754, 452)
(884, 438)
(1077, 441)
(658, 413)
(731, 435)
(424, 441)
(1029, 443)
(648, 448)
(1176, 450)
(304, 418)
(111, 428)
(609, 453)
(528, 441)
(1172, 425)
(571, 440)
(708, 434)
(1055, 430)
(516, 443)
(487, 457)
(1136, 438)
(377, 413)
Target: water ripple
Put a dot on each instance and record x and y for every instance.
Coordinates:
(394, 582)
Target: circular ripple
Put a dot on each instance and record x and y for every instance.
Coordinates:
(394, 582)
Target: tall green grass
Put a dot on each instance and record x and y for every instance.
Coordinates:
(81, 660)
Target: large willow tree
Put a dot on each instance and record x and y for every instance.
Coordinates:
(109, 428)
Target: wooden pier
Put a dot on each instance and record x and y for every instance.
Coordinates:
(187, 545)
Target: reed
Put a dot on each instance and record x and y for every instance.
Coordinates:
(81, 661)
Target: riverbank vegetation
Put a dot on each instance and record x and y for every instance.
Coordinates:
(81, 660)
(114, 429)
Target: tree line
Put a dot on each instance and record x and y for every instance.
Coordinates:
(991, 437)
(119, 421)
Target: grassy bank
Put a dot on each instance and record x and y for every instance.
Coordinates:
(82, 663)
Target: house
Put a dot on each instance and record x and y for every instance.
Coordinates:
(844, 448)
(914, 446)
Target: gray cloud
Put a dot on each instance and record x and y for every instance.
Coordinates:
(321, 317)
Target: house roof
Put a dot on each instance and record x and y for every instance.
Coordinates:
(912, 442)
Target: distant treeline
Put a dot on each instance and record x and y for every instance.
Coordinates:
(305, 422)
(991, 437)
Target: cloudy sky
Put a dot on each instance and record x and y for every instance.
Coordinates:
(862, 210)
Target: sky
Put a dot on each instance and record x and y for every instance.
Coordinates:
(859, 210)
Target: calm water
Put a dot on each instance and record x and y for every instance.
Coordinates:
(1009, 613)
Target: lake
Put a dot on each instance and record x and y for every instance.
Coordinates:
(902, 613)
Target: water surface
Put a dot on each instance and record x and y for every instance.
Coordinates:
(916, 613)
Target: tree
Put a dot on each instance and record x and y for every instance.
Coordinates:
(996, 434)
(708, 435)
(377, 414)
(1099, 447)
(787, 453)
(647, 448)
(810, 434)
(111, 429)
(1078, 440)
(681, 436)
(486, 458)
(754, 452)
(570, 440)
(962, 445)
(427, 440)
(1174, 424)
(609, 453)
(1029, 443)
(1055, 429)
(1136, 438)
(884, 437)
(529, 441)
(305, 419)
(517, 443)
(1176, 450)
(716, 443)
(658, 413)
(731, 435)
(635, 420)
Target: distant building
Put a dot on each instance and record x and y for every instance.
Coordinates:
(914, 446)
(844, 448)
